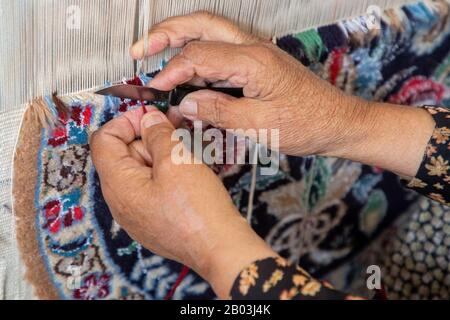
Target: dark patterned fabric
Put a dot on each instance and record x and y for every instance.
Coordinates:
(416, 260)
(277, 279)
(433, 178)
(419, 265)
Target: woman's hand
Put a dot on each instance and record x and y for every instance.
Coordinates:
(280, 93)
(312, 116)
(181, 212)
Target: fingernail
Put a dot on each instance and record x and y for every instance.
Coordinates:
(133, 52)
(188, 108)
(151, 119)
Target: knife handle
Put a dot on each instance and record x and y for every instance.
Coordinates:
(178, 94)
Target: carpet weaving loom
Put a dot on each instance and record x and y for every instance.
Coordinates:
(334, 217)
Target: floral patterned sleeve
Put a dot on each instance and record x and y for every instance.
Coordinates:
(276, 279)
(433, 177)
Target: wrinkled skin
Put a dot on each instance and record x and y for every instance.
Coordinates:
(183, 212)
(280, 93)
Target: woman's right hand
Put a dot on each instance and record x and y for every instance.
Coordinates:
(311, 115)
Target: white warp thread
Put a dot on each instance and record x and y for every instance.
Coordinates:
(72, 45)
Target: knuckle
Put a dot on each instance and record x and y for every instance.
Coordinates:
(204, 14)
(93, 139)
(169, 21)
(268, 69)
(190, 48)
(165, 165)
(97, 139)
(267, 53)
(159, 132)
(241, 36)
(157, 26)
(214, 111)
(166, 23)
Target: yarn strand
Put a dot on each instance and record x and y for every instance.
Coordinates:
(184, 272)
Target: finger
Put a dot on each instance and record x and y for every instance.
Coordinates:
(110, 144)
(210, 60)
(175, 32)
(174, 116)
(222, 84)
(140, 153)
(220, 110)
(157, 132)
(177, 71)
(198, 81)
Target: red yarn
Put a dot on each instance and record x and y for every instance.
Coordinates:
(336, 64)
(143, 107)
(177, 283)
(381, 294)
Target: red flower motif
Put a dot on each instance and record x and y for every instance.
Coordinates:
(58, 137)
(135, 81)
(94, 287)
(126, 104)
(81, 116)
(51, 213)
(55, 217)
(87, 113)
(418, 91)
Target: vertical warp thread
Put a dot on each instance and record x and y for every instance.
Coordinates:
(41, 55)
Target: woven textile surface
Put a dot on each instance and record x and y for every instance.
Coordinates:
(319, 212)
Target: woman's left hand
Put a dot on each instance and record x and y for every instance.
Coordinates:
(182, 212)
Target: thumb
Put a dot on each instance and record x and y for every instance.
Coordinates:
(156, 133)
(216, 108)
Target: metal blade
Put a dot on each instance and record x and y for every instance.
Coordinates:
(128, 91)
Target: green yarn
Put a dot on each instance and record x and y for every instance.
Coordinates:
(314, 47)
(162, 106)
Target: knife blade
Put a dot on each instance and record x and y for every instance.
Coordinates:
(174, 97)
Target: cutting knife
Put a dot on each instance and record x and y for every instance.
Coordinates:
(174, 97)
